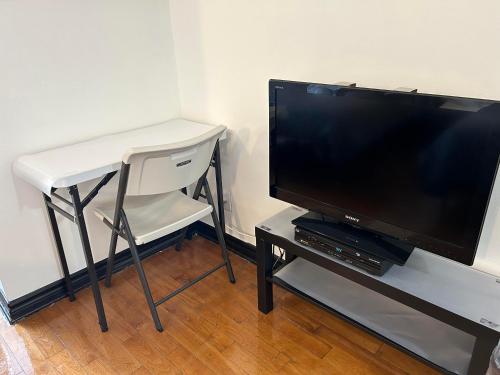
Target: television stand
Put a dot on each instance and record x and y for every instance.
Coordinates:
(438, 301)
(373, 252)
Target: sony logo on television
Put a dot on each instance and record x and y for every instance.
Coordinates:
(352, 218)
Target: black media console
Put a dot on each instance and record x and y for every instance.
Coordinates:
(445, 292)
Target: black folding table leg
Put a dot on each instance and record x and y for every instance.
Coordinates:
(60, 249)
(122, 186)
(220, 191)
(84, 237)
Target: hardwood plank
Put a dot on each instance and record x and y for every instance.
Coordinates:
(186, 307)
(110, 349)
(404, 362)
(122, 296)
(244, 360)
(121, 327)
(163, 342)
(99, 367)
(357, 363)
(42, 367)
(315, 366)
(32, 342)
(149, 357)
(321, 318)
(188, 363)
(71, 335)
(286, 328)
(8, 362)
(35, 329)
(192, 334)
(65, 364)
(182, 358)
(203, 349)
(290, 348)
(301, 337)
(141, 371)
(247, 337)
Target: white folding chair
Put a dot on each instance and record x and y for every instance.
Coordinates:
(149, 203)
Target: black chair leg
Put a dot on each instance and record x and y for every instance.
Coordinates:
(178, 245)
(120, 197)
(196, 195)
(111, 258)
(220, 235)
(182, 236)
(140, 271)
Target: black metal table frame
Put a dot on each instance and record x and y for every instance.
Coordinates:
(78, 205)
(486, 338)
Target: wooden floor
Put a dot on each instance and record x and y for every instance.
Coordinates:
(212, 328)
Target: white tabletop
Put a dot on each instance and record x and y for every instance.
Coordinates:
(458, 288)
(72, 164)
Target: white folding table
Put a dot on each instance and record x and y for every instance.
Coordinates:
(65, 167)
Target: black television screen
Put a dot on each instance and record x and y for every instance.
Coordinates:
(416, 167)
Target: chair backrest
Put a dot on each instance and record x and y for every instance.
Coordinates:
(165, 168)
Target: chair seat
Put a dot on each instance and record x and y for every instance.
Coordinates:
(154, 216)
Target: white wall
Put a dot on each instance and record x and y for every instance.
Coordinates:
(227, 50)
(70, 70)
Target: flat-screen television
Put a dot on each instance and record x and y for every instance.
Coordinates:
(416, 167)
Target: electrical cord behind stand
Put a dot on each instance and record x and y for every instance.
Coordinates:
(279, 259)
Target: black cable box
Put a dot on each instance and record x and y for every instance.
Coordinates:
(358, 258)
(366, 250)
